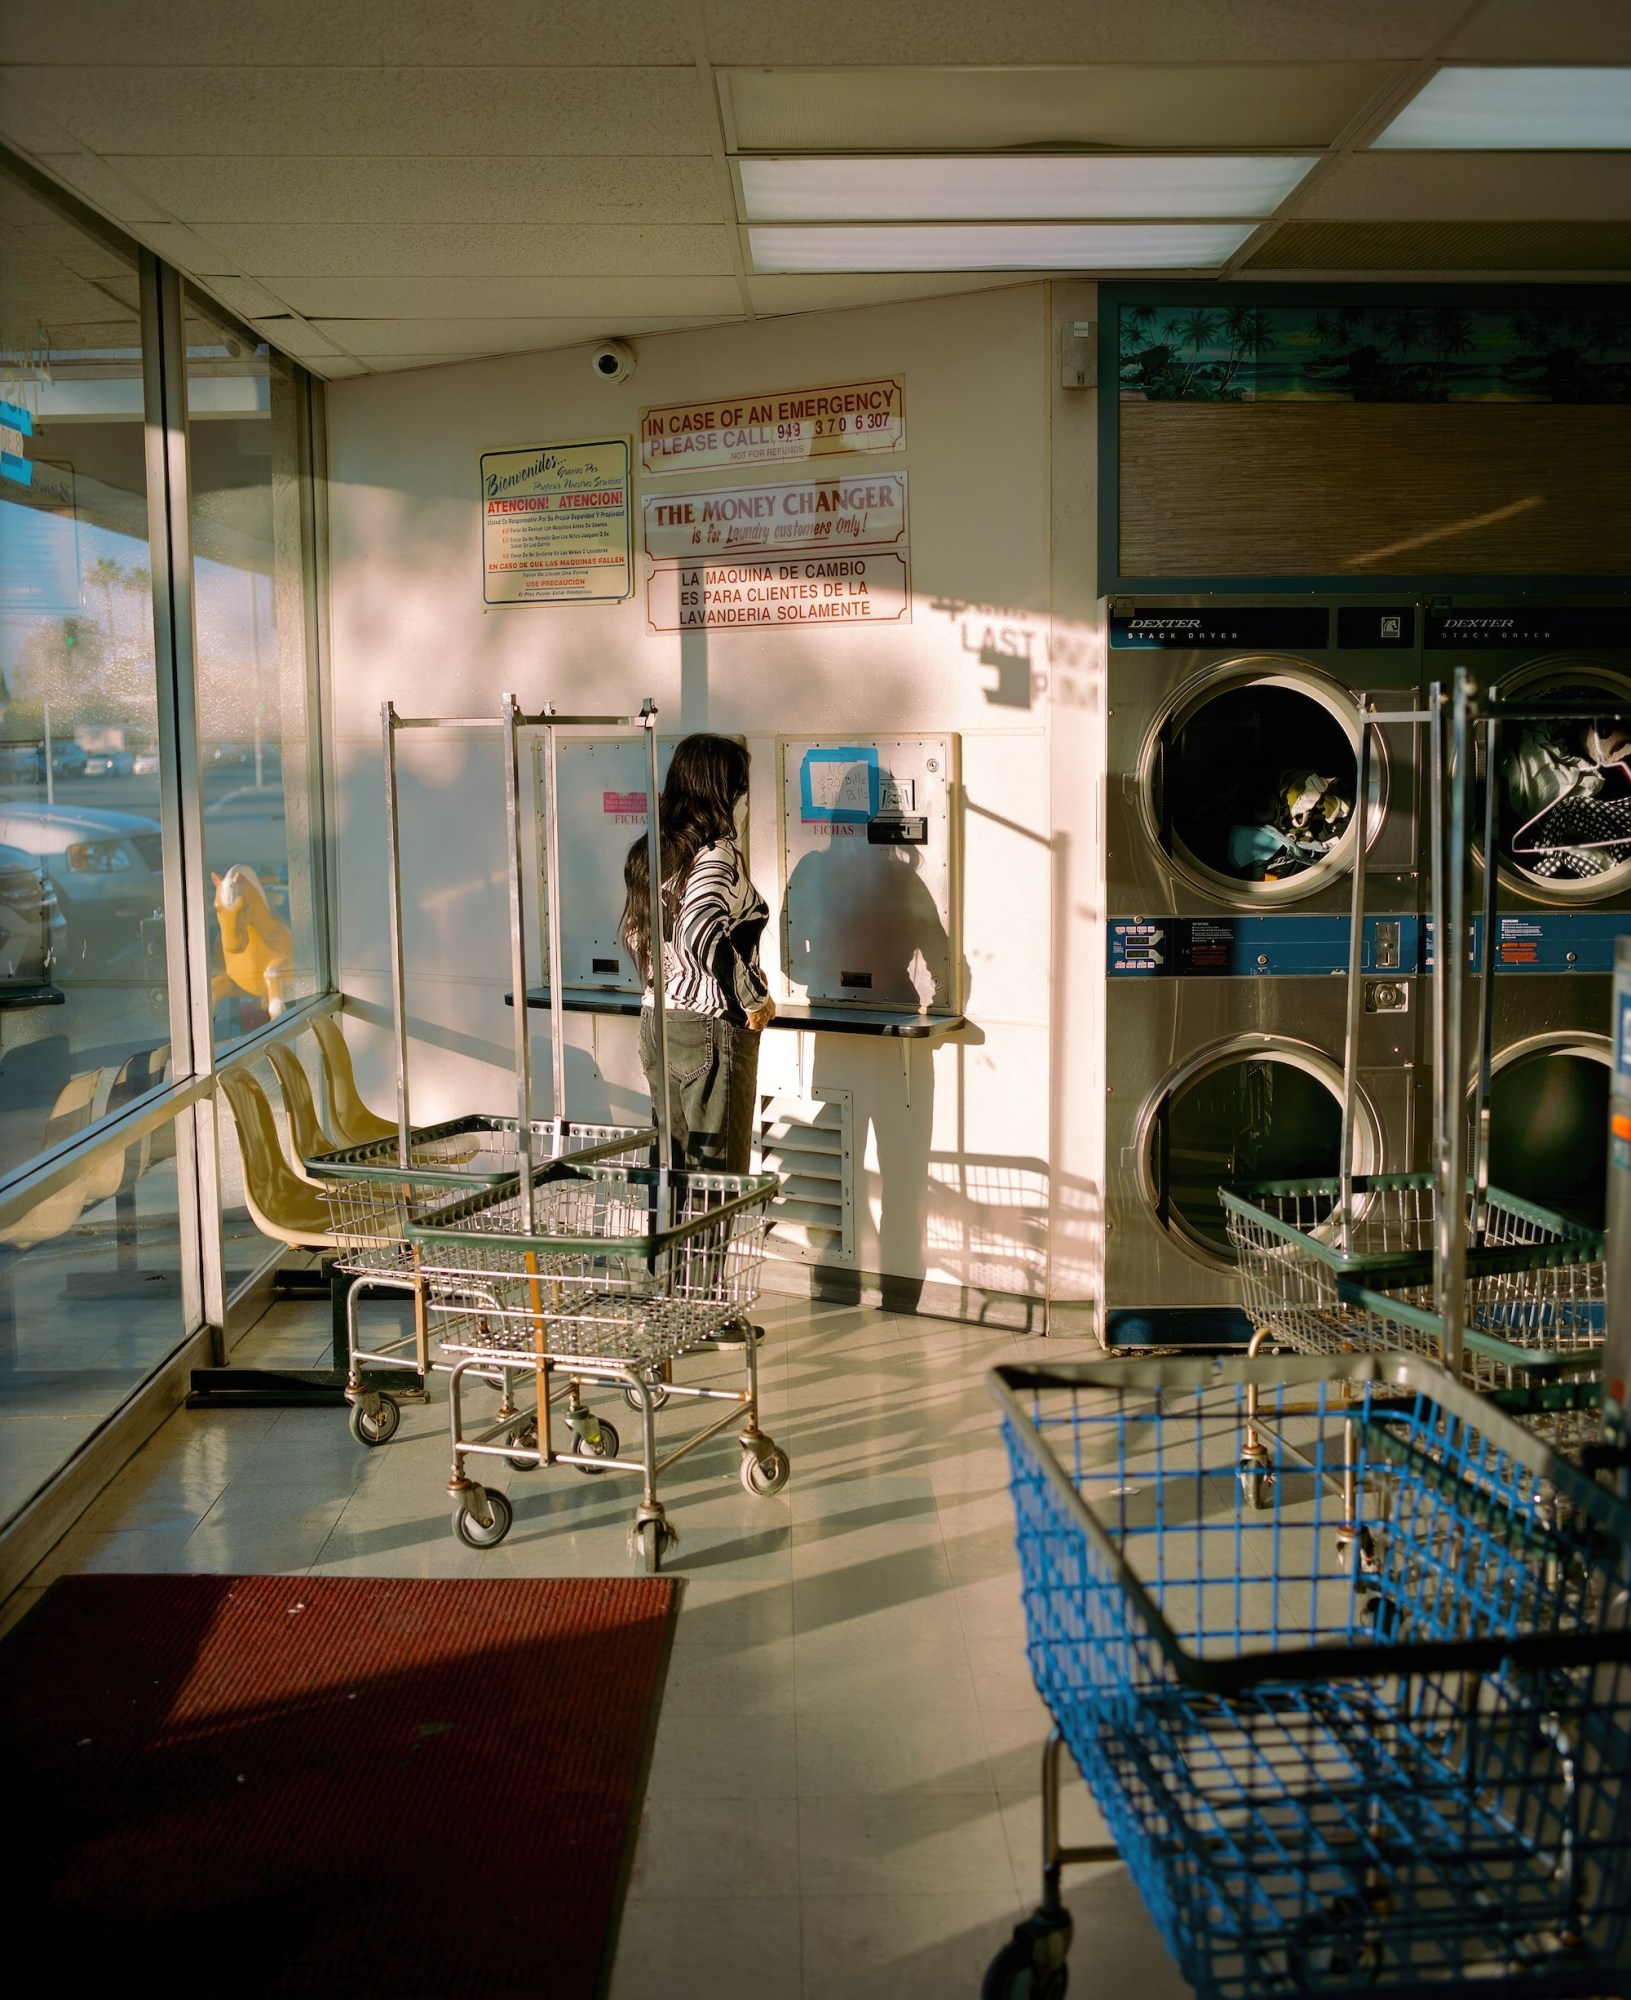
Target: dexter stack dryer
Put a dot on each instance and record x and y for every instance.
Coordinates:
(1230, 837)
(1563, 875)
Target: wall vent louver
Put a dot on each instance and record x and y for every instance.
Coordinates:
(809, 1142)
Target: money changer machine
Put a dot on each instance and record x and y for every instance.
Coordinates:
(870, 875)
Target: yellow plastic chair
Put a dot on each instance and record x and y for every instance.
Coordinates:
(281, 1205)
(119, 1172)
(77, 1104)
(353, 1120)
(306, 1135)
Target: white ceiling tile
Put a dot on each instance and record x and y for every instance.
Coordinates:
(24, 122)
(1564, 31)
(428, 338)
(244, 296)
(376, 111)
(1056, 31)
(1472, 187)
(293, 336)
(410, 31)
(104, 187)
(787, 294)
(441, 250)
(185, 248)
(591, 188)
(396, 364)
(505, 298)
(335, 368)
(973, 110)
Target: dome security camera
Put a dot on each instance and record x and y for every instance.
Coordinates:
(611, 360)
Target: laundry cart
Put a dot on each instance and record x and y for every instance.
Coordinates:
(371, 1194)
(1401, 1764)
(598, 1273)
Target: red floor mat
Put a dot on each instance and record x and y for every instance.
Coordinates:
(268, 1785)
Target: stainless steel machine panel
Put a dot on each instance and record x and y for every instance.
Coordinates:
(1221, 705)
(1214, 1080)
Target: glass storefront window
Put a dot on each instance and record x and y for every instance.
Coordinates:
(91, 1302)
(84, 1006)
(245, 412)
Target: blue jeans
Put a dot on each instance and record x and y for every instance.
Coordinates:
(713, 1083)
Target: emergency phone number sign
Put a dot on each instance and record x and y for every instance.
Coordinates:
(775, 428)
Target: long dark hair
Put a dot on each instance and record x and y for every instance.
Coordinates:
(705, 782)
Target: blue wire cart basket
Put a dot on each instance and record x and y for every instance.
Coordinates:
(1397, 1760)
(618, 1272)
(371, 1196)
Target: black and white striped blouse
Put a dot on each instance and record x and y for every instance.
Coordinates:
(711, 963)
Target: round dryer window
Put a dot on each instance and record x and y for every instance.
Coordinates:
(1563, 790)
(1247, 781)
(1246, 1113)
(1548, 1126)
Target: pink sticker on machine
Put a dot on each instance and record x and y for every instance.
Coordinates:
(623, 802)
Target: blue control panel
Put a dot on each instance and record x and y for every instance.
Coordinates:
(1546, 940)
(1550, 941)
(1257, 947)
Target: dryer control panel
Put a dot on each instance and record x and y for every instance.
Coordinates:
(1547, 940)
(1258, 947)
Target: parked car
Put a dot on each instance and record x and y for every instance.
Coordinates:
(106, 867)
(27, 761)
(32, 926)
(109, 763)
(144, 764)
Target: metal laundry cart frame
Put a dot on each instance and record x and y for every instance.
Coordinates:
(406, 1177)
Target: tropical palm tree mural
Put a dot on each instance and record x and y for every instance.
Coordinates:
(1397, 354)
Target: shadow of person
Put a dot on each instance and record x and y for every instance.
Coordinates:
(861, 926)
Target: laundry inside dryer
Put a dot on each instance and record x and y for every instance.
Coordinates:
(1250, 1118)
(1564, 799)
(1257, 782)
(1548, 1132)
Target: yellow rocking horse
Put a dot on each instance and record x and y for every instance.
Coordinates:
(255, 942)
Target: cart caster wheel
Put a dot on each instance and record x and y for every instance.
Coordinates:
(659, 1396)
(1256, 1487)
(586, 1450)
(649, 1542)
(1367, 1551)
(374, 1419)
(474, 1533)
(1031, 1965)
(765, 1473)
(1336, 1947)
(523, 1438)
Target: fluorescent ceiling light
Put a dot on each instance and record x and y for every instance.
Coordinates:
(975, 247)
(969, 188)
(1491, 110)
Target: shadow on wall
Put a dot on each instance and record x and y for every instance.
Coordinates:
(407, 550)
(857, 913)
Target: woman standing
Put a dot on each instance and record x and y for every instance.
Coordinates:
(713, 918)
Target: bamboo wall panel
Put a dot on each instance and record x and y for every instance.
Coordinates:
(1337, 488)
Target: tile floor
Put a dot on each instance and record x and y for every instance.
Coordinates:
(843, 1795)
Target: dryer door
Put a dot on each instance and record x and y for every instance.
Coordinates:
(1245, 785)
(1563, 788)
(1259, 1108)
(1548, 1123)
